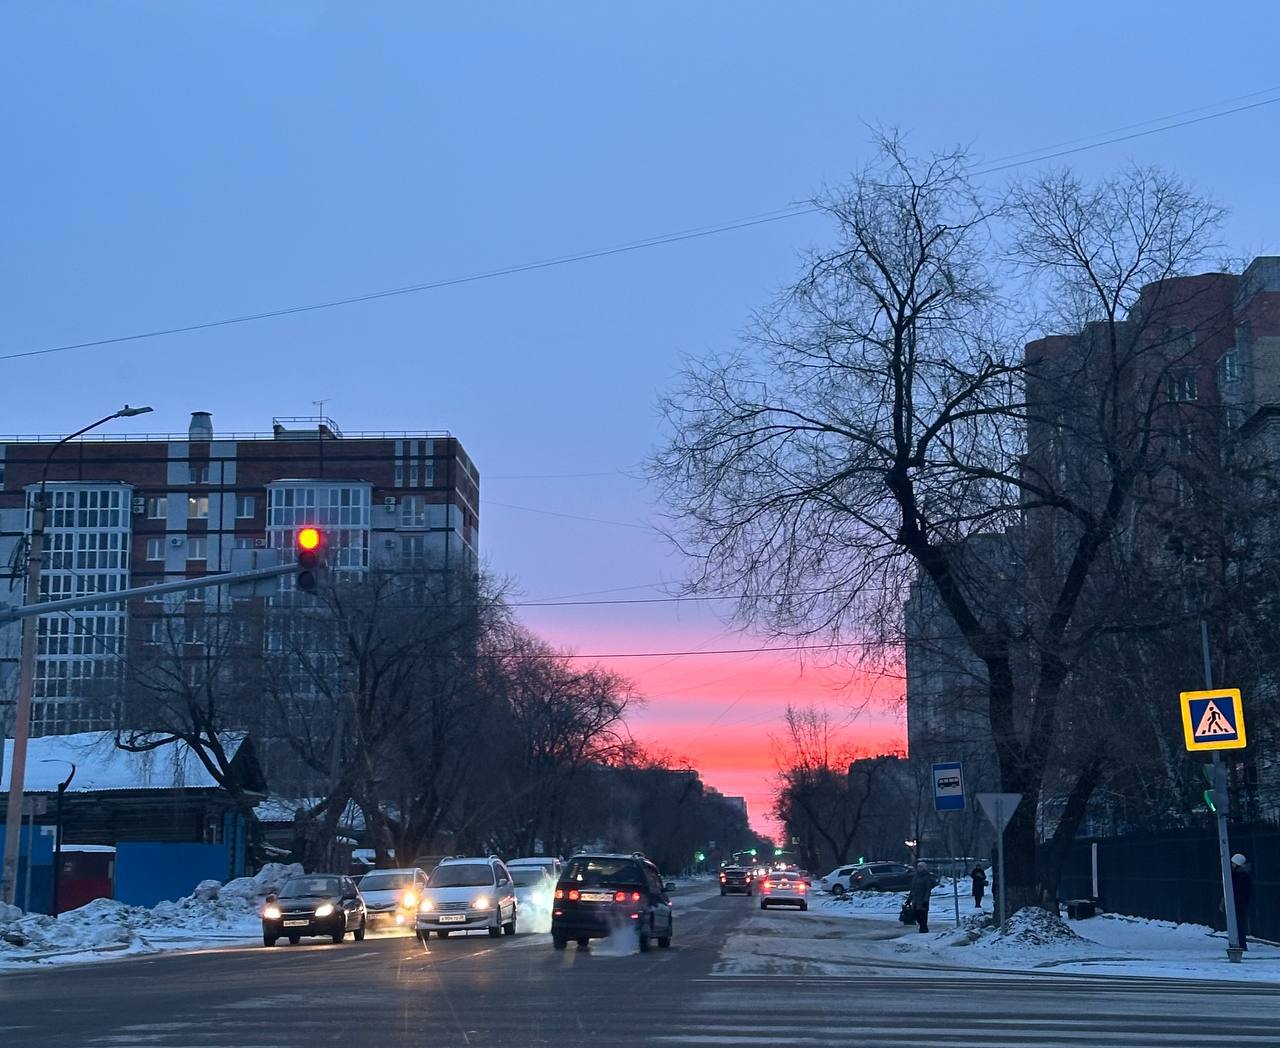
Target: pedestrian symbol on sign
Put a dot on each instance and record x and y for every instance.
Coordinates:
(1212, 722)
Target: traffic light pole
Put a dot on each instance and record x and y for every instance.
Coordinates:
(1221, 802)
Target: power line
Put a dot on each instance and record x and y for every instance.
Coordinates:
(568, 516)
(777, 215)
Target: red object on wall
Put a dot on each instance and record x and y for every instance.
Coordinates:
(86, 875)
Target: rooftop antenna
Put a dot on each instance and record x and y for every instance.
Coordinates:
(320, 405)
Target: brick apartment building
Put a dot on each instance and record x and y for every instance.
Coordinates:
(1212, 344)
(143, 509)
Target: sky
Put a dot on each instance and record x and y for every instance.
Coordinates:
(167, 164)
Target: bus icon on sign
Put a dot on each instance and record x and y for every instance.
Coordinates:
(951, 782)
(948, 787)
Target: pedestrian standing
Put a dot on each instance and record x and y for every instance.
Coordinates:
(979, 876)
(1242, 888)
(921, 889)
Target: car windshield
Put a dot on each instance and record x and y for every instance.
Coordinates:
(461, 875)
(603, 871)
(524, 876)
(298, 886)
(384, 882)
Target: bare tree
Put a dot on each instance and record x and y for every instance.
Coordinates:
(877, 418)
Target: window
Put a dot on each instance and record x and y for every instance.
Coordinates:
(245, 505)
(399, 474)
(1182, 385)
(153, 632)
(1235, 418)
(1186, 440)
(413, 475)
(198, 507)
(157, 507)
(155, 549)
(244, 542)
(198, 548)
(414, 549)
(1228, 368)
(198, 474)
(154, 598)
(413, 512)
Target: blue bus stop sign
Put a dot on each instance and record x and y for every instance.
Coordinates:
(948, 787)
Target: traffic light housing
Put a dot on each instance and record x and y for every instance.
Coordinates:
(312, 568)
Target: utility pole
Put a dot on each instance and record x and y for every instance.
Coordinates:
(1234, 945)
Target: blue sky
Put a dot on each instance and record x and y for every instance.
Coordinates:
(169, 163)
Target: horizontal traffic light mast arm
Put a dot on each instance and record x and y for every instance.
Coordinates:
(13, 614)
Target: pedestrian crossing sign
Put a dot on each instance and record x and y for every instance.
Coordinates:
(1213, 720)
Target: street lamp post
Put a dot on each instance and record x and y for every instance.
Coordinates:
(27, 666)
(57, 835)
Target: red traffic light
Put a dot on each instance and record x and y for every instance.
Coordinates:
(309, 539)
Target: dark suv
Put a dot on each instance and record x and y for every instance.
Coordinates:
(598, 895)
(737, 879)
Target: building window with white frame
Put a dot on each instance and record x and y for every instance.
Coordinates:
(245, 506)
(413, 511)
(157, 507)
(198, 474)
(197, 507)
(155, 549)
(1182, 385)
(198, 548)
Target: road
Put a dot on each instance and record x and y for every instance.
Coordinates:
(476, 991)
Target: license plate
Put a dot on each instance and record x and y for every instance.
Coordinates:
(597, 896)
(296, 924)
(452, 918)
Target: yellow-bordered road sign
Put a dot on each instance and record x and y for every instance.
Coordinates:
(1213, 720)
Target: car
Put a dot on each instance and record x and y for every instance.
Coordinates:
(535, 888)
(391, 897)
(468, 893)
(881, 877)
(599, 894)
(548, 862)
(737, 879)
(314, 904)
(784, 888)
(837, 881)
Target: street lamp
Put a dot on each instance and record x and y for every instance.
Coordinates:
(27, 665)
(57, 834)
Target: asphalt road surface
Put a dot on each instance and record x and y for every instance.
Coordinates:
(474, 991)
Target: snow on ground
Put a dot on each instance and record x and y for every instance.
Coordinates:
(213, 914)
(860, 933)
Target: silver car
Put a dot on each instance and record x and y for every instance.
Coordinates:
(392, 896)
(468, 893)
(784, 888)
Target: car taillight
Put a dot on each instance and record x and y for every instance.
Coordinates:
(619, 896)
(768, 886)
(559, 893)
(635, 896)
(574, 895)
(802, 886)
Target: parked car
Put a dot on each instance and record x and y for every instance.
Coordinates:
(391, 897)
(737, 879)
(599, 894)
(837, 881)
(784, 888)
(315, 904)
(468, 893)
(881, 877)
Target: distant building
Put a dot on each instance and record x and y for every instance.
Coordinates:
(131, 511)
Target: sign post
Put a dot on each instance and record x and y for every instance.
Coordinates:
(1214, 720)
(948, 795)
(999, 809)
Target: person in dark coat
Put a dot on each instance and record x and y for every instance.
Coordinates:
(979, 876)
(921, 888)
(1242, 888)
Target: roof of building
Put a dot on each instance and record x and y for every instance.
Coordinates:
(100, 765)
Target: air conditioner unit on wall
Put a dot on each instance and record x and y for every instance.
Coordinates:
(389, 501)
(259, 543)
(139, 505)
(177, 540)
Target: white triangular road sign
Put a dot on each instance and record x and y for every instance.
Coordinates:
(1212, 722)
(999, 808)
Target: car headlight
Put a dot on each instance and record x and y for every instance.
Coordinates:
(411, 898)
(272, 913)
(324, 909)
(426, 906)
(481, 902)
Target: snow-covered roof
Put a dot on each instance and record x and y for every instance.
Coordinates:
(101, 766)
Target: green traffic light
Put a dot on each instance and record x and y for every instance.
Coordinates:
(753, 853)
(1208, 800)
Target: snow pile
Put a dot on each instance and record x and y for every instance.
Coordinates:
(1033, 926)
(107, 925)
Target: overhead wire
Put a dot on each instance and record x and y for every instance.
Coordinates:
(679, 236)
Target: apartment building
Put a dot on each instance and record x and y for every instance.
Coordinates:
(143, 509)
